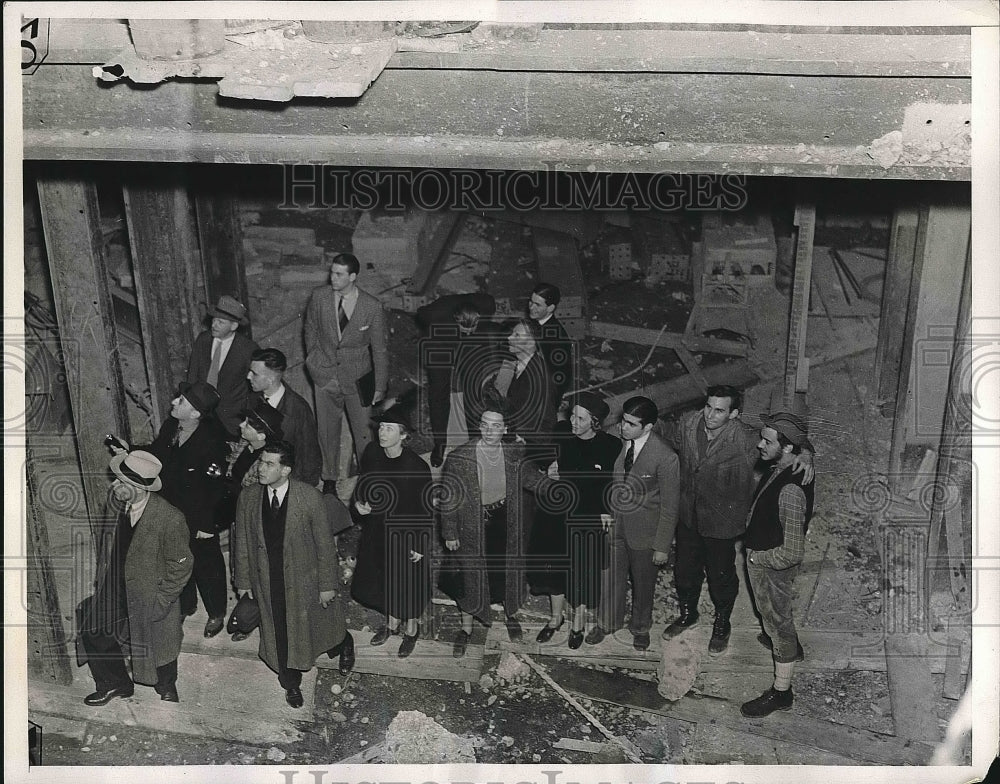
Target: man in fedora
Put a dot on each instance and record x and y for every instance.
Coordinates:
(143, 563)
(285, 557)
(347, 359)
(192, 448)
(775, 544)
(221, 357)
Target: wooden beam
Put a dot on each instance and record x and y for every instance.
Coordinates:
(48, 655)
(796, 364)
(158, 227)
(679, 392)
(88, 337)
(671, 340)
(852, 742)
(221, 240)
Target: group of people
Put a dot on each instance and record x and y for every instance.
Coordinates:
(533, 492)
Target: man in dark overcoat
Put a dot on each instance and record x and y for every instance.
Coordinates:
(221, 357)
(143, 563)
(285, 557)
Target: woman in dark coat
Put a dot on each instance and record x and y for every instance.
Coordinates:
(568, 536)
(393, 501)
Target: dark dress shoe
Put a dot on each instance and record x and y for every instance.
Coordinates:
(575, 639)
(382, 635)
(104, 697)
(437, 456)
(239, 636)
(640, 641)
(407, 645)
(170, 695)
(329, 487)
(294, 697)
(595, 636)
(461, 643)
(214, 626)
(688, 617)
(514, 630)
(346, 655)
(547, 632)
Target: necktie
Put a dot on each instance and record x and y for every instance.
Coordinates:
(629, 457)
(341, 316)
(275, 506)
(213, 370)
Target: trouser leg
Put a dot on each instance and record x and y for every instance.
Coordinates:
(210, 575)
(643, 572)
(359, 418)
(720, 568)
(105, 659)
(689, 564)
(329, 412)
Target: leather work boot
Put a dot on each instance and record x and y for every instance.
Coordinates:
(688, 617)
(767, 703)
(721, 630)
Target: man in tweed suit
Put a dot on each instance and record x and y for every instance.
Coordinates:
(345, 341)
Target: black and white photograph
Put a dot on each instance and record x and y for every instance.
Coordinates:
(502, 391)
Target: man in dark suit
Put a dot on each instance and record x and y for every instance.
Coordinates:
(267, 368)
(192, 448)
(143, 563)
(457, 356)
(643, 519)
(346, 357)
(221, 358)
(282, 521)
(553, 341)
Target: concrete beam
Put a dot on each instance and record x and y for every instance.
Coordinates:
(796, 125)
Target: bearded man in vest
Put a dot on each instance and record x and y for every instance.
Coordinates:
(775, 543)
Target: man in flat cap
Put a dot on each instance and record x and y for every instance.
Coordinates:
(143, 563)
(775, 544)
(221, 358)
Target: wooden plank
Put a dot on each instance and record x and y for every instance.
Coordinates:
(954, 683)
(911, 687)
(444, 227)
(692, 367)
(650, 337)
(48, 654)
(679, 392)
(805, 220)
(903, 236)
(859, 744)
(158, 228)
(88, 336)
(221, 242)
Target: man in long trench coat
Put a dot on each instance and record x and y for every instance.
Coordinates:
(143, 564)
(286, 558)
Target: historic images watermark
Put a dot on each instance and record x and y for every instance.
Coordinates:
(319, 185)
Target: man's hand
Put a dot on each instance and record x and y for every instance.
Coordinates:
(203, 535)
(325, 597)
(451, 544)
(803, 464)
(363, 508)
(660, 558)
(415, 556)
(553, 470)
(607, 521)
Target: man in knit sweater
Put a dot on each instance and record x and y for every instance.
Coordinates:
(775, 544)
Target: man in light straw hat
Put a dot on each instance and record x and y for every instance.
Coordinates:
(775, 544)
(143, 564)
(221, 357)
